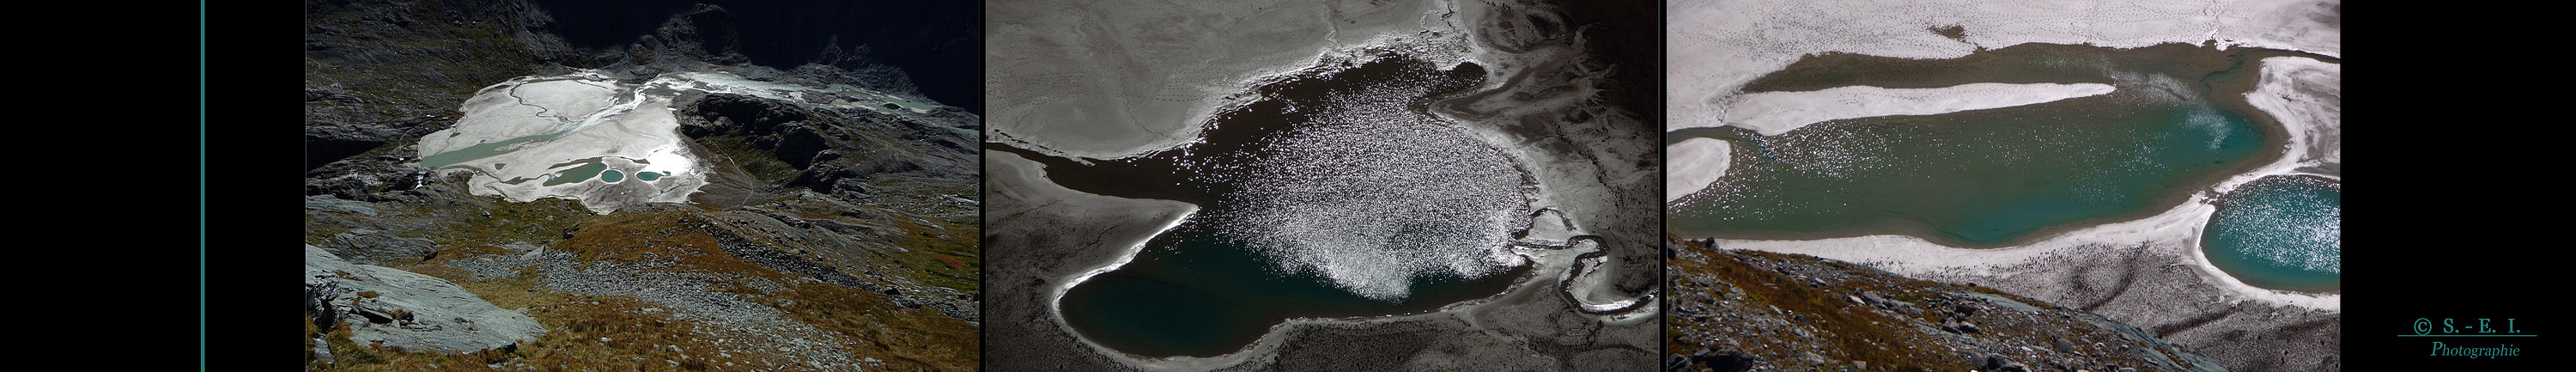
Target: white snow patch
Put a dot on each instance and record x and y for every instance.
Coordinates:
(532, 128)
(563, 122)
(1773, 113)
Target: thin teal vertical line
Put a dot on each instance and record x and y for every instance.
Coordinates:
(201, 185)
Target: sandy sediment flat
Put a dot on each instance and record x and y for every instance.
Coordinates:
(2307, 96)
(1773, 113)
(1112, 79)
(1695, 163)
(1717, 46)
(507, 110)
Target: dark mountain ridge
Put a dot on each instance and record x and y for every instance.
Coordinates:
(381, 70)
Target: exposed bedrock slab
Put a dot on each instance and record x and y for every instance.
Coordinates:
(371, 246)
(406, 310)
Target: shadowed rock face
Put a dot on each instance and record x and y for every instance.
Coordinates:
(842, 153)
(928, 41)
(1738, 310)
(371, 247)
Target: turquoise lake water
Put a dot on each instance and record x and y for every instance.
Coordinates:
(2280, 233)
(1976, 178)
(1988, 178)
(589, 168)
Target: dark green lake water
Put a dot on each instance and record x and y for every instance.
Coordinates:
(1198, 293)
(1989, 177)
(589, 168)
(1333, 196)
(2280, 233)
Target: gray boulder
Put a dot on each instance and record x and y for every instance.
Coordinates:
(406, 310)
(1993, 361)
(322, 352)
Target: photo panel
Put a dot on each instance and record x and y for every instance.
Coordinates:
(2024, 185)
(1322, 186)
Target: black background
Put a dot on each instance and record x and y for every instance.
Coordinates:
(2454, 187)
(2458, 121)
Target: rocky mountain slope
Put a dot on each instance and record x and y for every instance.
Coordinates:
(829, 238)
(1737, 310)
